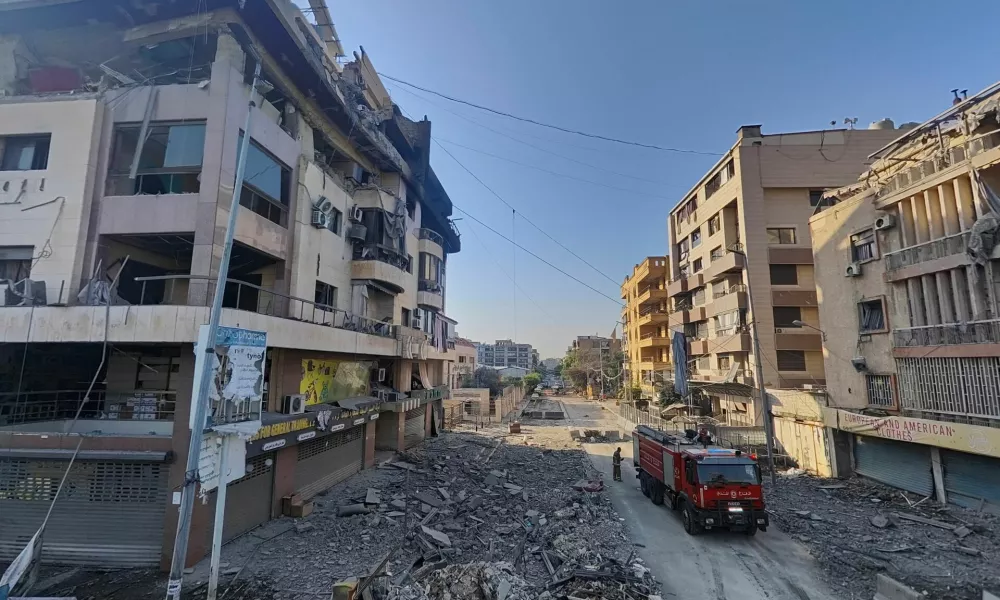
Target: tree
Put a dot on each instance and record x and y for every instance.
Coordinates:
(485, 377)
(531, 381)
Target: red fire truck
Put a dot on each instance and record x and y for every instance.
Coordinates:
(713, 487)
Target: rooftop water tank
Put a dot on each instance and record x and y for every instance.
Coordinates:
(883, 124)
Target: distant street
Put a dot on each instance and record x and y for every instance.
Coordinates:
(716, 565)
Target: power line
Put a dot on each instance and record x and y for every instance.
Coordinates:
(556, 173)
(548, 125)
(526, 220)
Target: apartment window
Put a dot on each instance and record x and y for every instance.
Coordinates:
(430, 268)
(326, 296)
(791, 360)
(336, 218)
(880, 391)
(24, 152)
(461, 359)
(695, 238)
(697, 265)
(816, 199)
(780, 235)
(725, 361)
(728, 323)
(863, 246)
(715, 224)
(784, 275)
(717, 253)
(784, 316)
(169, 159)
(404, 316)
(266, 185)
(15, 262)
(871, 316)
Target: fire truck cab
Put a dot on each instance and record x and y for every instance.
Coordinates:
(713, 487)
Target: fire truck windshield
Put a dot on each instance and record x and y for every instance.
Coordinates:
(711, 474)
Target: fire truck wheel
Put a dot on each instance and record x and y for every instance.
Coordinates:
(656, 494)
(691, 526)
(644, 483)
(751, 531)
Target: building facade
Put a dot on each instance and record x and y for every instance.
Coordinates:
(465, 361)
(909, 292)
(645, 331)
(745, 226)
(505, 353)
(120, 130)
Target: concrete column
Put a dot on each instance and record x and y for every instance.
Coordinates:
(905, 215)
(976, 297)
(938, 472)
(370, 427)
(961, 295)
(966, 198)
(921, 226)
(949, 209)
(285, 461)
(931, 306)
(427, 420)
(991, 290)
(945, 297)
(935, 220)
(400, 430)
(918, 317)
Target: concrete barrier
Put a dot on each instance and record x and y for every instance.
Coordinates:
(887, 588)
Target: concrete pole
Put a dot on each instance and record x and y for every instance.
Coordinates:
(220, 512)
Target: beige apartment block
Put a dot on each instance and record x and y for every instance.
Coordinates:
(910, 299)
(744, 226)
(645, 338)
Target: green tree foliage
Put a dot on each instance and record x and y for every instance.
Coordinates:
(531, 381)
(485, 377)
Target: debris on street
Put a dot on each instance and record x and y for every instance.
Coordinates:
(858, 528)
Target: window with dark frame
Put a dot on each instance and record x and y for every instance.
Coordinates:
(871, 316)
(695, 238)
(784, 275)
(785, 316)
(170, 159)
(25, 152)
(791, 360)
(725, 361)
(697, 265)
(336, 218)
(326, 296)
(816, 199)
(863, 246)
(780, 235)
(15, 262)
(266, 184)
(715, 224)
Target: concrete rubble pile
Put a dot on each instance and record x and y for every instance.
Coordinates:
(465, 517)
(858, 528)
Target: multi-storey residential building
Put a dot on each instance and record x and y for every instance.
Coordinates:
(745, 223)
(645, 330)
(505, 353)
(465, 361)
(910, 302)
(120, 128)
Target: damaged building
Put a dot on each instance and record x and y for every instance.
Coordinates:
(908, 281)
(120, 129)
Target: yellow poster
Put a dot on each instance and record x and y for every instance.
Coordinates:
(326, 381)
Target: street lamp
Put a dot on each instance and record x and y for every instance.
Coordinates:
(798, 323)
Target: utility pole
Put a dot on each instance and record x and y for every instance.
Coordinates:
(765, 400)
(200, 400)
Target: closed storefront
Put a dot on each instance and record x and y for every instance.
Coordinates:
(972, 480)
(415, 426)
(326, 461)
(248, 499)
(899, 464)
(108, 513)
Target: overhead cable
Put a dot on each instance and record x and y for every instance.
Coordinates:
(549, 125)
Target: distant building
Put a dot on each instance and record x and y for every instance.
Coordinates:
(465, 365)
(505, 353)
(550, 364)
(645, 319)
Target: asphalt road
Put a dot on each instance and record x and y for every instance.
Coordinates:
(715, 565)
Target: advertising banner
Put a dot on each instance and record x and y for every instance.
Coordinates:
(325, 381)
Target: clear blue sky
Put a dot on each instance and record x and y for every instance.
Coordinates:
(672, 73)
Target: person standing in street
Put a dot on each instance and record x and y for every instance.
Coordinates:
(616, 465)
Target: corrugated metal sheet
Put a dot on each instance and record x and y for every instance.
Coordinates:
(108, 514)
(972, 480)
(248, 499)
(415, 427)
(901, 465)
(326, 461)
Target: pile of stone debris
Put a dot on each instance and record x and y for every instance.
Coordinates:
(858, 528)
(464, 517)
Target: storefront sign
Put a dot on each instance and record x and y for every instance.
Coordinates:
(373, 417)
(276, 429)
(306, 436)
(359, 421)
(273, 445)
(954, 436)
(337, 427)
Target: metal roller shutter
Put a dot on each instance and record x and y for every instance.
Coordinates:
(415, 426)
(901, 465)
(971, 480)
(108, 514)
(326, 461)
(248, 499)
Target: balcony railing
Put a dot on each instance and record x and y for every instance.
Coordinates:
(426, 285)
(435, 393)
(972, 332)
(430, 234)
(384, 254)
(33, 407)
(739, 287)
(254, 298)
(940, 248)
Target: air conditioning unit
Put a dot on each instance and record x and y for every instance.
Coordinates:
(324, 205)
(293, 404)
(885, 222)
(853, 270)
(381, 375)
(356, 214)
(357, 232)
(357, 173)
(320, 219)
(416, 322)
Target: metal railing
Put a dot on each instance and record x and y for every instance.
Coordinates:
(971, 332)
(739, 287)
(439, 392)
(939, 248)
(270, 303)
(427, 285)
(682, 306)
(429, 234)
(33, 407)
(385, 254)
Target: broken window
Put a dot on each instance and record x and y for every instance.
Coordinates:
(715, 224)
(169, 159)
(266, 184)
(871, 316)
(863, 246)
(15, 262)
(326, 296)
(24, 152)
